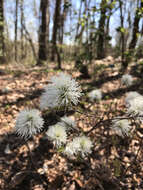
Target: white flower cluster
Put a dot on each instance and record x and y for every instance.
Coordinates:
(121, 127)
(57, 133)
(95, 95)
(127, 80)
(130, 96)
(62, 92)
(134, 104)
(79, 145)
(68, 122)
(136, 107)
(28, 123)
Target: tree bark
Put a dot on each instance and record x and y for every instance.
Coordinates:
(55, 30)
(42, 54)
(16, 22)
(1, 31)
(100, 42)
(22, 35)
(29, 39)
(136, 27)
(78, 24)
(124, 63)
(62, 21)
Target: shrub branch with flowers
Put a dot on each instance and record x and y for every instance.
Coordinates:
(63, 94)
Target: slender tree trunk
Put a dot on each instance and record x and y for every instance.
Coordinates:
(29, 39)
(1, 31)
(78, 24)
(107, 37)
(55, 30)
(22, 35)
(62, 23)
(42, 54)
(107, 34)
(100, 43)
(136, 27)
(124, 63)
(134, 39)
(48, 30)
(16, 22)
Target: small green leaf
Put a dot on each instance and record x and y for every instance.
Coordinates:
(117, 167)
(61, 149)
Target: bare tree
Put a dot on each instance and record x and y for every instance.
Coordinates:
(100, 42)
(136, 25)
(107, 35)
(43, 31)
(16, 22)
(29, 39)
(54, 34)
(122, 34)
(78, 22)
(62, 20)
(1, 30)
(22, 34)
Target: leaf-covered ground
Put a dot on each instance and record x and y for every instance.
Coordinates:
(115, 163)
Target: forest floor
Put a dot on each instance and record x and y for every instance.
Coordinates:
(113, 165)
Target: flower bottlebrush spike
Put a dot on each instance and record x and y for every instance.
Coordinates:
(61, 93)
(57, 134)
(28, 123)
(95, 95)
(68, 123)
(80, 145)
(131, 96)
(127, 80)
(121, 127)
(136, 107)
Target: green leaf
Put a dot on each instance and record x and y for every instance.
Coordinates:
(61, 149)
(117, 167)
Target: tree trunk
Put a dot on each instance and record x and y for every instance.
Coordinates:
(48, 29)
(100, 43)
(124, 63)
(136, 27)
(42, 54)
(107, 36)
(1, 31)
(22, 35)
(135, 31)
(16, 22)
(78, 24)
(62, 21)
(55, 29)
(29, 39)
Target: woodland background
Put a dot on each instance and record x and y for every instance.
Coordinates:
(38, 31)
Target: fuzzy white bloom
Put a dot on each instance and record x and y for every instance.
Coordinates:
(121, 127)
(68, 123)
(28, 123)
(80, 145)
(72, 148)
(62, 92)
(136, 107)
(127, 80)
(57, 133)
(130, 96)
(95, 95)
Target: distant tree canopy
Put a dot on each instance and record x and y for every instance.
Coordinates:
(61, 29)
